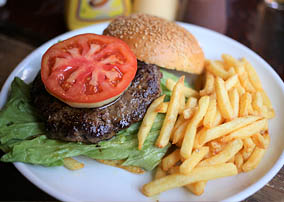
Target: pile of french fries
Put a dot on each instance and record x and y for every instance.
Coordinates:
(217, 131)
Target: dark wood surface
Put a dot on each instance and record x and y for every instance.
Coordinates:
(24, 25)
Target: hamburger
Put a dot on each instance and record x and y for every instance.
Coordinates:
(157, 44)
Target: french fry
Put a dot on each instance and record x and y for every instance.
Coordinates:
(191, 102)
(249, 146)
(72, 164)
(210, 154)
(240, 70)
(162, 108)
(269, 113)
(231, 160)
(225, 155)
(246, 83)
(247, 154)
(209, 85)
(217, 70)
(208, 120)
(197, 188)
(182, 103)
(253, 77)
(258, 140)
(179, 121)
(220, 63)
(266, 140)
(196, 175)
(148, 121)
(218, 118)
(174, 169)
(118, 164)
(240, 89)
(190, 132)
(215, 146)
(235, 101)
(196, 144)
(229, 61)
(253, 160)
(231, 82)
(197, 155)
(188, 113)
(159, 172)
(170, 84)
(257, 102)
(243, 76)
(188, 92)
(245, 103)
(239, 161)
(223, 101)
(231, 72)
(248, 130)
(179, 132)
(171, 115)
(266, 101)
(265, 112)
(251, 111)
(226, 128)
(189, 107)
(170, 160)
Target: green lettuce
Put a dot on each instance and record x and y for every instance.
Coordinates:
(18, 118)
(23, 138)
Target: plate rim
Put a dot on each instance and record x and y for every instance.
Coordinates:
(24, 170)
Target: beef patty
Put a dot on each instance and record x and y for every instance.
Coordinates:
(93, 125)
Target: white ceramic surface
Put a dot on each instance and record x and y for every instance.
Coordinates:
(98, 182)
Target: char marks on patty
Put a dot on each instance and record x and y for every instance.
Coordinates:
(93, 125)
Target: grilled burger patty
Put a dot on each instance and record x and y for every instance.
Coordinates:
(93, 125)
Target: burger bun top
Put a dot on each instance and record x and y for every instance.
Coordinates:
(157, 41)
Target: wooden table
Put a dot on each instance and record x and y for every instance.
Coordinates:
(24, 25)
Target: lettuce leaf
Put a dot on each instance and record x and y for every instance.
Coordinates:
(23, 138)
(18, 118)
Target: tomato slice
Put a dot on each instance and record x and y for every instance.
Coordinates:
(88, 70)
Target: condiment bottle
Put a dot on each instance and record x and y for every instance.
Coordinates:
(80, 13)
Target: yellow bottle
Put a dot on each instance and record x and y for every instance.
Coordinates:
(81, 13)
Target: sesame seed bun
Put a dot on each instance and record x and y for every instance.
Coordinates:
(157, 41)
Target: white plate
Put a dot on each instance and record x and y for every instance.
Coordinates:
(98, 182)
